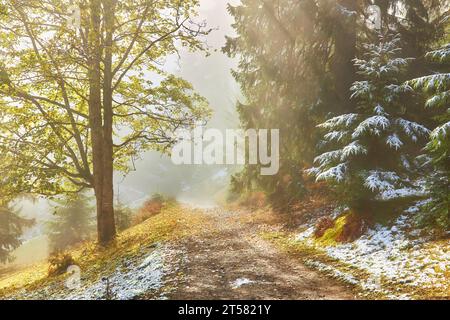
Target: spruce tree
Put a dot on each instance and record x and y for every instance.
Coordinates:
(73, 222)
(123, 217)
(295, 67)
(369, 161)
(436, 87)
(11, 229)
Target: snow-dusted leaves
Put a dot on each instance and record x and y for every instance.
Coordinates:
(379, 110)
(441, 132)
(438, 82)
(344, 120)
(441, 55)
(393, 91)
(361, 89)
(439, 100)
(328, 157)
(336, 136)
(394, 141)
(412, 129)
(372, 125)
(374, 67)
(336, 173)
(381, 180)
(353, 149)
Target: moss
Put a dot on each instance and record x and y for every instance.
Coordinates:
(330, 236)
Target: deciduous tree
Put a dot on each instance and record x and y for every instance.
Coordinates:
(78, 101)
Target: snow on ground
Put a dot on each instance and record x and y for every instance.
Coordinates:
(240, 282)
(125, 285)
(346, 277)
(389, 255)
(134, 276)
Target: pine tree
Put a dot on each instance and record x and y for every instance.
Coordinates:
(295, 60)
(436, 87)
(123, 217)
(372, 162)
(11, 229)
(73, 222)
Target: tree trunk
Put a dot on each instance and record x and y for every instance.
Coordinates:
(108, 170)
(344, 53)
(101, 156)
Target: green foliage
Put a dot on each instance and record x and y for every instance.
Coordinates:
(370, 156)
(283, 60)
(296, 71)
(45, 132)
(73, 222)
(11, 229)
(436, 87)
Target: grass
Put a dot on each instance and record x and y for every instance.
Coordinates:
(305, 251)
(172, 223)
(298, 249)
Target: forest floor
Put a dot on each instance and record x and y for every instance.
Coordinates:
(232, 261)
(216, 253)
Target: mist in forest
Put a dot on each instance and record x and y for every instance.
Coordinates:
(195, 184)
(200, 185)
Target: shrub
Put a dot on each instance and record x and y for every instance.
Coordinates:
(322, 226)
(150, 208)
(59, 262)
(355, 226)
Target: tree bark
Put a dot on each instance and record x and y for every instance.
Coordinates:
(344, 53)
(108, 170)
(100, 128)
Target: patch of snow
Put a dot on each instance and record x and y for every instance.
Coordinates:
(346, 277)
(400, 193)
(136, 275)
(305, 234)
(126, 285)
(240, 282)
(387, 254)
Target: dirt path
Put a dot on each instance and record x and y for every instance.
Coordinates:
(233, 262)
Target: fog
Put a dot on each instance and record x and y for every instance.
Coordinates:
(201, 185)
(211, 77)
